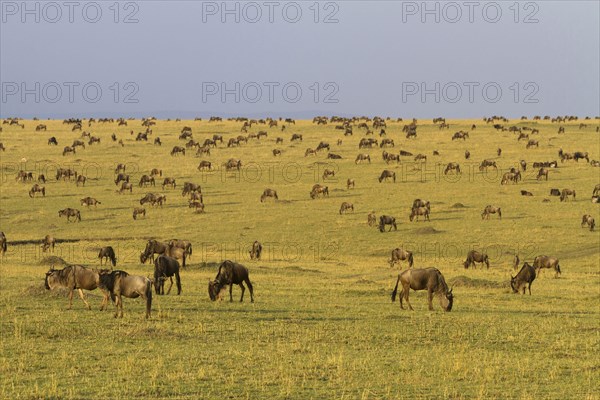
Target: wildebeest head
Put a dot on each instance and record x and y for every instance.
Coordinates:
(214, 288)
(447, 301)
(49, 276)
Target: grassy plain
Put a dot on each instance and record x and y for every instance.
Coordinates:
(323, 325)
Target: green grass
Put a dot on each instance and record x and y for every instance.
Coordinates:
(322, 325)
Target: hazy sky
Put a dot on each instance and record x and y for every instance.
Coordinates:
(388, 58)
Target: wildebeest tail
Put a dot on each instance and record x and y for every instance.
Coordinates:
(395, 289)
(558, 268)
(4, 246)
(410, 260)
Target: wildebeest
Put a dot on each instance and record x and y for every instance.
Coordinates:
(296, 137)
(146, 180)
(256, 250)
(543, 172)
(516, 261)
(89, 201)
(41, 178)
(120, 283)
(166, 267)
(204, 165)
(169, 182)
(488, 210)
(523, 280)
(460, 135)
(68, 150)
(513, 177)
(554, 192)
(532, 143)
(126, 186)
(564, 195)
(182, 244)
(547, 262)
(487, 163)
(350, 183)
(416, 211)
(37, 189)
(53, 141)
(121, 177)
(332, 156)
(421, 203)
(80, 180)
(475, 256)
(156, 172)
(189, 187)
(3, 243)
(581, 155)
(157, 141)
(268, 193)
(362, 157)
(430, 279)
(387, 220)
(70, 212)
(526, 193)
(318, 190)
(139, 211)
(276, 152)
(230, 273)
(327, 173)
(48, 242)
(399, 254)
(177, 149)
(233, 163)
(75, 277)
(345, 207)
(452, 167)
(596, 190)
(589, 221)
(385, 174)
(107, 253)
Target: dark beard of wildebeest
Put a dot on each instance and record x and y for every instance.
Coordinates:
(230, 273)
(166, 267)
(475, 256)
(75, 277)
(256, 250)
(523, 280)
(120, 283)
(399, 254)
(430, 279)
(547, 262)
(109, 254)
(387, 220)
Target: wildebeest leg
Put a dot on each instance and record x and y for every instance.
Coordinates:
(83, 298)
(430, 299)
(231, 292)
(71, 298)
(406, 292)
(171, 285)
(104, 303)
(243, 290)
(178, 281)
(251, 289)
(529, 289)
(401, 297)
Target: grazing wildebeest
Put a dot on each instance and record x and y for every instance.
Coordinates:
(157, 141)
(177, 149)
(420, 157)
(385, 174)
(416, 211)
(41, 178)
(523, 280)
(310, 152)
(146, 180)
(276, 152)
(345, 207)
(460, 135)
(3, 243)
(323, 145)
(532, 143)
(268, 193)
(526, 193)
(452, 167)
(564, 195)
(362, 157)
(75, 277)
(319, 190)
(387, 143)
(487, 163)
(93, 139)
(126, 186)
(430, 279)
(541, 173)
(488, 210)
(121, 177)
(120, 283)
(523, 135)
(399, 254)
(230, 273)
(189, 187)
(547, 262)
(80, 180)
(204, 165)
(421, 203)
(499, 151)
(107, 253)
(169, 182)
(182, 244)
(589, 221)
(516, 261)
(68, 150)
(120, 168)
(233, 163)
(48, 242)
(139, 211)
(78, 143)
(278, 140)
(327, 173)
(333, 156)
(581, 155)
(387, 220)
(37, 189)
(554, 192)
(475, 256)
(296, 137)
(166, 267)
(89, 201)
(70, 212)
(156, 172)
(256, 250)
(596, 190)
(467, 154)
(53, 141)
(523, 165)
(513, 177)
(350, 183)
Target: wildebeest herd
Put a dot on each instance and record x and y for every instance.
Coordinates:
(172, 255)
